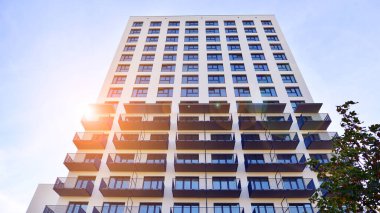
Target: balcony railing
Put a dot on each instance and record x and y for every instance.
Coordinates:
(83, 161)
(205, 162)
(212, 108)
(260, 107)
(100, 123)
(127, 122)
(90, 140)
(216, 142)
(73, 186)
(215, 209)
(320, 140)
(135, 141)
(125, 209)
(206, 187)
(307, 107)
(137, 162)
(289, 209)
(280, 122)
(136, 187)
(63, 209)
(277, 188)
(274, 162)
(143, 108)
(215, 123)
(320, 121)
(280, 141)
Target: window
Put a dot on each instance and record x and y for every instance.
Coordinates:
(190, 68)
(263, 208)
(276, 47)
(261, 67)
(154, 31)
(250, 30)
(272, 38)
(137, 24)
(279, 56)
(226, 208)
(230, 30)
(147, 58)
(142, 79)
(236, 57)
(239, 79)
(132, 39)
(118, 183)
(269, 30)
(122, 68)
(212, 38)
(186, 208)
(254, 158)
(114, 92)
(189, 92)
(191, 31)
(139, 92)
(187, 183)
(191, 23)
(173, 31)
(217, 92)
(216, 79)
(232, 38)
(129, 48)
(255, 47)
(126, 57)
(286, 158)
(266, 23)
(113, 207)
(168, 68)
(222, 158)
(150, 47)
(151, 39)
(191, 47)
(172, 39)
(212, 30)
(119, 79)
(191, 38)
(293, 183)
(211, 23)
(166, 79)
(237, 67)
(233, 47)
(145, 68)
(242, 92)
(150, 208)
(268, 92)
(257, 56)
(288, 79)
(259, 183)
(173, 23)
(74, 207)
(284, 67)
(293, 91)
(224, 183)
(248, 23)
(300, 208)
(165, 92)
(155, 24)
(213, 47)
(214, 57)
(322, 158)
(264, 79)
(229, 23)
(190, 79)
(215, 67)
(253, 38)
(170, 47)
(190, 57)
(294, 103)
(153, 182)
(169, 57)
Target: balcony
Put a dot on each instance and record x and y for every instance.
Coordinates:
(216, 142)
(137, 162)
(157, 141)
(307, 107)
(278, 188)
(74, 186)
(320, 121)
(213, 108)
(260, 107)
(137, 187)
(215, 209)
(215, 123)
(90, 140)
(274, 162)
(97, 123)
(63, 209)
(205, 162)
(83, 161)
(137, 123)
(281, 122)
(206, 187)
(320, 140)
(143, 108)
(280, 141)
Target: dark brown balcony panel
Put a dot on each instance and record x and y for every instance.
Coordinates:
(282, 122)
(307, 107)
(74, 186)
(158, 141)
(204, 108)
(215, 123)
(218, 142)
(288, 141)
(274, 163)
(130, 188)
(102, 108)
(136, 123)
(320, 121)
(99, 123)
(260, 107)
(83, 161)
(90, 140)
(137, 162)
(143, 108)
(210, 163)
(320, 140)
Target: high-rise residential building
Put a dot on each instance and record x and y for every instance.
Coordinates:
(198, 114)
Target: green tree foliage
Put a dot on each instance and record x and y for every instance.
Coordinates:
(352, 177)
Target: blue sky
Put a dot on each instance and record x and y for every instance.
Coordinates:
(55, 54)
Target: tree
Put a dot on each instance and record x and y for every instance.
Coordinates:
(352, 177)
